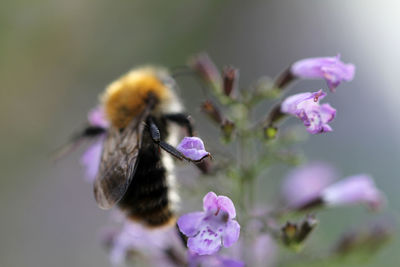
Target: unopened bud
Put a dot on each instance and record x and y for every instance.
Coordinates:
(368, 239)
(227, 129)
(294, 235)
(306, 227)
(284, 79)
(273, 117)
(205, 166)
(270, 132)
(230, 80)
(289, 232)
(207, 70)
(212, 111)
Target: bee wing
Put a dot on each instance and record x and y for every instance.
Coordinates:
(118, 162)
(88, 133)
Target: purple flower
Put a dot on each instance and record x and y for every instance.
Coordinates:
(212, 261)
(306, 107)
(332, 69)
(91, 159)
(305, 183)
(149, 244)
(97, 117)
(353, 190)
(207, 230)
(193, 148)
(314, 185)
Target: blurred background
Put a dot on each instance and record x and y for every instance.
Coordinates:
(57, 56)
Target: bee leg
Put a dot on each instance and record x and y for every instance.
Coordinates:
(155, 135)
(91, 131)
(182, 120)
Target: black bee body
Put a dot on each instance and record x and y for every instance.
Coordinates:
(147, 196)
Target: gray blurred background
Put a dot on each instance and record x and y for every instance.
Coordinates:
(57, 56)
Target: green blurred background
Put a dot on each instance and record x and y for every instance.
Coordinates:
(57, 56)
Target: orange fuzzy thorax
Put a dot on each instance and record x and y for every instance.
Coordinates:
(126, 97)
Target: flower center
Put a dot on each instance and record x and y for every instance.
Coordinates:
(317, 95)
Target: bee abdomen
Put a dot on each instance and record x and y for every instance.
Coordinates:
(146, 199)
(150, 205)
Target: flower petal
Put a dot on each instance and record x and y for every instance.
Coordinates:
(205, 243)
(189, 223)
(332, 69)
(215, 260)
(353, 190)
(327, 113)
(91, 159)
(210, 202)
(289, 105)
(193, 148)
(97, 117)
(305, 183)
(226, 204)
(226, 262)
(231, 234)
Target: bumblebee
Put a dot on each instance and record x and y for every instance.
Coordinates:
(134, 173)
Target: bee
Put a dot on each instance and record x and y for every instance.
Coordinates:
(144, 113)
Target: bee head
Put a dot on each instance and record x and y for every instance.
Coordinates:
(126, 97)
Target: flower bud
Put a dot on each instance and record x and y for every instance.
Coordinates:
(366, 239)
(207, 70)
(273, 117)
(204, 166)
(227, 129)
(289, 232)
(294, 235)
(212, 111)
(284, 79)
(230, 80)
(306, 228)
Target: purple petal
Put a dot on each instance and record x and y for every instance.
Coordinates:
(327, 113)
(289, 105)
(91, 159)
(205, 243)
(212, 261)
(226, 204)
(210, 202)
(306, 107)
(332, 69)
(193, 148)
(353, 190)
(189, 223)
(226, 262)
(134, 238)
(305, 183)
(97, 117)
(231, 234)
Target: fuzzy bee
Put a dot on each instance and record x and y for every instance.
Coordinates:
(134, 173)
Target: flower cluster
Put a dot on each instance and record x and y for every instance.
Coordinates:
(212, 237)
